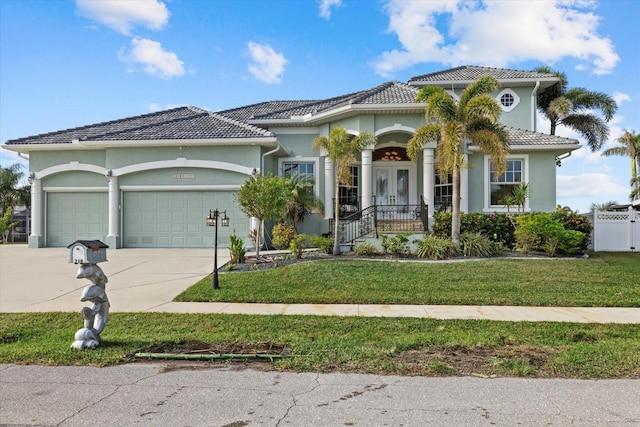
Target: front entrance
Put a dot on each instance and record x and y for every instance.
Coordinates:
(394, 183)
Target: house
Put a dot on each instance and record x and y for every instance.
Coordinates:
(150, 180)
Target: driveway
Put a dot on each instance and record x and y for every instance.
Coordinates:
(36, 280)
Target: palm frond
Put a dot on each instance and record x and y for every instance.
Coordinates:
(586, 99)
(592, 128)
(423, 136)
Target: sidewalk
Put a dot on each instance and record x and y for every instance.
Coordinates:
(39, 280)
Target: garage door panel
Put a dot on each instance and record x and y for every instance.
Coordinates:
(177, 219)
(76, 216)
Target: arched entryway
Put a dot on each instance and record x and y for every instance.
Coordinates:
(394, 176)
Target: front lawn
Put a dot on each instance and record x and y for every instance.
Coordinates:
(603, 280)
(399, 346)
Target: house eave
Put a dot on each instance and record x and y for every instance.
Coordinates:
(563, 148)
(270, 142)
(545, 82)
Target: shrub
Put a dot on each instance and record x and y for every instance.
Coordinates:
(325, 244)
(298, 244)
(478, 246)
(236, 249)
(397, 245)
(282, 236)
(366, 249)
(435, 247)
(571, 220)
(497, 227)
(540, 231)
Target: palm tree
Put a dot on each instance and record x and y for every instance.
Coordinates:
(571, 108)
(342, 149)
(12, 192)
(630, 146)
(451, 123)
(302, 200)
(605, 206)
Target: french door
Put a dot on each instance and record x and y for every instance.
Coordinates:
(395, 183)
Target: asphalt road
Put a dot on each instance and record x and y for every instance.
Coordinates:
(177, 394)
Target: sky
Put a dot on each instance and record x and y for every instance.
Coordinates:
(67, 63)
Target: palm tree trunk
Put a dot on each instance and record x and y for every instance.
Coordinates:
(455, 211)
(336, 212)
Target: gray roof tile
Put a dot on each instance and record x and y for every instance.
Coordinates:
(469, 73)
(177, 123)
(526, 137)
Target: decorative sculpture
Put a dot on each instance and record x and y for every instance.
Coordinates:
(95, 317)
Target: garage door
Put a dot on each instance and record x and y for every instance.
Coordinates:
(76, 216)
(166, 219)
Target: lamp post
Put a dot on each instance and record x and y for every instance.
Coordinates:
(212, 221)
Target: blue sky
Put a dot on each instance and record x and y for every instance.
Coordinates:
(72, 63)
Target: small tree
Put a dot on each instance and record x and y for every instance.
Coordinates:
(264, 198)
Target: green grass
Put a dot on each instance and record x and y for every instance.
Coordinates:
(327, 344)
(604, 280)
(401, 346)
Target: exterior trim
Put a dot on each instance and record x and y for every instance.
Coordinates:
(179, 187)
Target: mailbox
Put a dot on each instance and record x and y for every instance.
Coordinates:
(87, 252)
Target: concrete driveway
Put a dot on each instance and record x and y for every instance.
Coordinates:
(36, 280)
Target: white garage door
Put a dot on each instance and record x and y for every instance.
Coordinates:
(76, 216)
(165, 219)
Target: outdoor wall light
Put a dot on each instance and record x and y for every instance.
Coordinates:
(212, 221)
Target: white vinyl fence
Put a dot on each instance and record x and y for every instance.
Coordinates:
(615, 231)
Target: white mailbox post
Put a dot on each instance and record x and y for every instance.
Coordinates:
(88, 253)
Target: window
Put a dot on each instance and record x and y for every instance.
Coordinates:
(508, 99)
(443, 193)
(302, 166)
(303, 169)
(502, 186)
(348, 195)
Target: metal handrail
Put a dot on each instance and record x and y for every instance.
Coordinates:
(385, 218)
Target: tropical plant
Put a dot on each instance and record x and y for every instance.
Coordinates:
(302, 200)
(520, 194)
(574, 107)
(477, 245)
(397, 245)
(434, 247)
(282, 235)
(342, 149)
(236, 250)
(264, 198)
(605, 206)
(451, 124)
(629, 146)
(6, 224)
(12, 192)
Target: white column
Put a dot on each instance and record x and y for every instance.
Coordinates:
(428, 177)
(366, 178)
(114, 206)
(36, 208)
(464, 186)
(329, 188)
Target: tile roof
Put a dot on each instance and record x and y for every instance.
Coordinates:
(529, 138)
(197, 124)
(469, 73)
(177, 123)
(384, 94)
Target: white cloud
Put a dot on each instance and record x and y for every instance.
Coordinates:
(153, 58)
(266, 64)
(122, 16)
(620, 97)
(326, 5)
(494, 33)
(589, 184)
